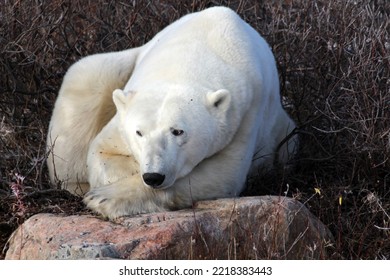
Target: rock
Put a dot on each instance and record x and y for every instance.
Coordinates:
(267, 227)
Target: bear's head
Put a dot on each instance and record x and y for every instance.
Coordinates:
(170, 134)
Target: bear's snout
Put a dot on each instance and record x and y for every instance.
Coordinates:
(153, 179)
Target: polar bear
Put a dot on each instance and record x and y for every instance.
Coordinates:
(183, 118)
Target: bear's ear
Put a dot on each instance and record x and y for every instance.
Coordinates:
(120, 98)
(219, 99)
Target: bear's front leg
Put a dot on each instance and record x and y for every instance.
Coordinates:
(117, 188)
(125, 197)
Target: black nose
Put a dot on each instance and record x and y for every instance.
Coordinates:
(153, 179)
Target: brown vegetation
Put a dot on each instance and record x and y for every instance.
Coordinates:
(334, 63)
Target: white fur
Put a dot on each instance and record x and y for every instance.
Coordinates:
(195, 104)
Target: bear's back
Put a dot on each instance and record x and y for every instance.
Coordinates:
(214, 46)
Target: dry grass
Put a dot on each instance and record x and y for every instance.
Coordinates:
(334, 63)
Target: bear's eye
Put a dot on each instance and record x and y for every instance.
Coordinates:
(176, 132)
(139, 133)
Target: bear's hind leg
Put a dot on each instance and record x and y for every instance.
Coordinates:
(83, 107)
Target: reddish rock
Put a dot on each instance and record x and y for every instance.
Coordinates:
(267, 227)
